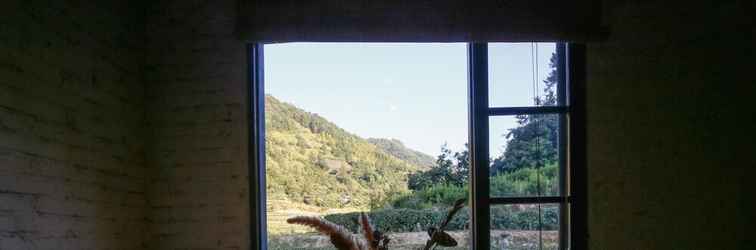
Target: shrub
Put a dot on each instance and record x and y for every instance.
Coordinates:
(524, 217)
(439, 195)
(514, 217)
(524, 181)
(401, 220)
(520, 182)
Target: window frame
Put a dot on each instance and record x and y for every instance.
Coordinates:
(572, 177)
(258, 239)
(571, 106)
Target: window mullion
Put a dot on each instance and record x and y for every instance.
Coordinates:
(256, 148)
(529, 200)
(562, 139)
(479, 155)
(504, 111)
(575, 76)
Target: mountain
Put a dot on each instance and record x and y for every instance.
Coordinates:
(311, 160)
(397, 149)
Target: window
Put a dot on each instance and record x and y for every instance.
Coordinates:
(527, 192)
(353, 127)
(552, 123)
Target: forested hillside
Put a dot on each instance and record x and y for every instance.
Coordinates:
(397, 149)
(313, 161)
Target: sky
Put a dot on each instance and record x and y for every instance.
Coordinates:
(416, 93)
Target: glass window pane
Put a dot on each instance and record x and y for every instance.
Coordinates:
(525, 226)
(521, 74)
(375, 128)
(525, 155)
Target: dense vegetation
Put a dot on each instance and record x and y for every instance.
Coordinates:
(515, 217)
(313, 161)
(423, 208)
(520, 182)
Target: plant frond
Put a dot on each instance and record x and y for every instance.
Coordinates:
(368, 232)
(340, 237)
(459, 204)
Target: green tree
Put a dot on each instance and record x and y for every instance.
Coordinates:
(452, 168)
(534, 141)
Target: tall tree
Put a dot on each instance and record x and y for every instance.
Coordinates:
(534, 141)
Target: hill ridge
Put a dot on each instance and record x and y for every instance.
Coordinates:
(397, 148)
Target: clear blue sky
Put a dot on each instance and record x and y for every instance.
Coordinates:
(416, 93)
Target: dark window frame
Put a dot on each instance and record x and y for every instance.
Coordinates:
(571, 110)
(570, 106)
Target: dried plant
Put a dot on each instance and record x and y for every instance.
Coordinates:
(342, 239)
(367, 231)
(437, 235)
